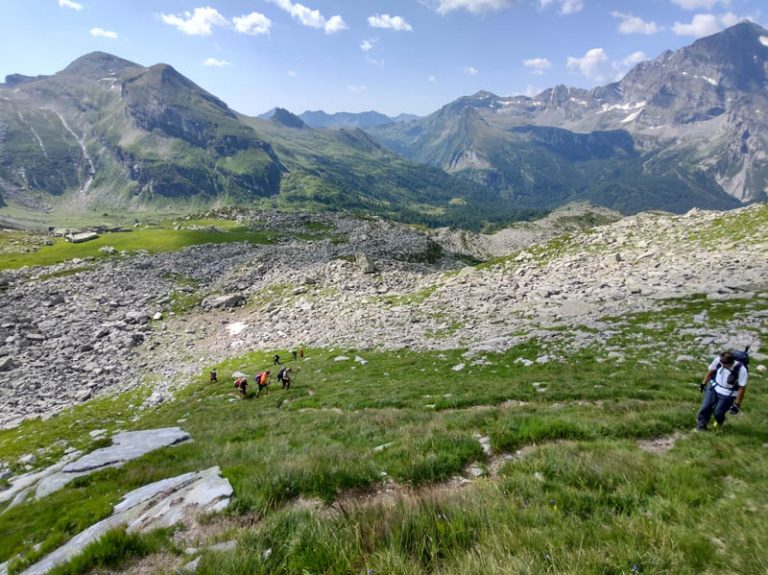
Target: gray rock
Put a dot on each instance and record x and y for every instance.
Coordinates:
(224, 301)
(127, 445)
(366, 265)
(136, 317)
(7, 364)
(161, 504)
(223, 547)
(82, 237)
(192, 566)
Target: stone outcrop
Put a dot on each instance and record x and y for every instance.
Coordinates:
(161, 504)
(126, 446)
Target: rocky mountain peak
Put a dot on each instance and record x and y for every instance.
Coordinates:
(288, 119)
(735, 59)
(97, 65)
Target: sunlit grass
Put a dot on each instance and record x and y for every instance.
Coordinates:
(151, 240)
(383, 442)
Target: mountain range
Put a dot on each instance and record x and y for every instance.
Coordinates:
(687, 129)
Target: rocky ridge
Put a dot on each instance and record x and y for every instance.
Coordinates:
(81, 328)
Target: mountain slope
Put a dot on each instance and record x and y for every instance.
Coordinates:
(105, 132)
(108, 133)
(686, 129)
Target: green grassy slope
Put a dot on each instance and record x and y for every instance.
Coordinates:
(574, 483)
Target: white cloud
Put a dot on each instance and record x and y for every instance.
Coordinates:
(311, 18)
(431, 78)
(699, 4)
(305, 16)
(474, 6)
(367, 45)
(571, 6)
(634, 58)
(594, 64)
(598, 67)
(292, 73)
(252, 24)
(197, 23)
(730, 19)
(334, 24)
(537, 64)
(706, 24)
(213, 62)
(101, 33)
(70, 4)
(471, 70)
(389, 22)
(531, 91)
(566, 6)
(357, 88)
(631, 24)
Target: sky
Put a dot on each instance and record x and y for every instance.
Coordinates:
(392, 56)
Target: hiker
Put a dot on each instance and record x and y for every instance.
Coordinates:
(301, 353)
(262, 380)
(284, 377)
(213, 378)
(276, 360)
(241, 384)
(294, 354)
(723, 387)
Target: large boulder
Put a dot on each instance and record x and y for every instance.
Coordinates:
(7, 363)
(224, 301)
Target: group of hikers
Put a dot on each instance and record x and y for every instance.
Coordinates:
(262, 379)
(723, 387)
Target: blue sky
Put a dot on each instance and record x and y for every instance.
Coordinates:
(392, 56)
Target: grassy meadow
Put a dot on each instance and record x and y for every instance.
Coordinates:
(378, 467)
(18, 249)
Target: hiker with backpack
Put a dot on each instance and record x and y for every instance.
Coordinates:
(262, 381)
(284, 377)
(241, 384)
(723, 387)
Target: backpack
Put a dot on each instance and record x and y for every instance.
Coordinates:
(741, 356)
(742, 359)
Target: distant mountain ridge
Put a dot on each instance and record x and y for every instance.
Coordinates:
(689, 128)
(362, 120)
(106, 133)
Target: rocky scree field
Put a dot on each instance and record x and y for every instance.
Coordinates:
(530, 413)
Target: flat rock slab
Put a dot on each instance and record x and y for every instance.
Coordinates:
(126, 446)
(160, 504)
(21, 485)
